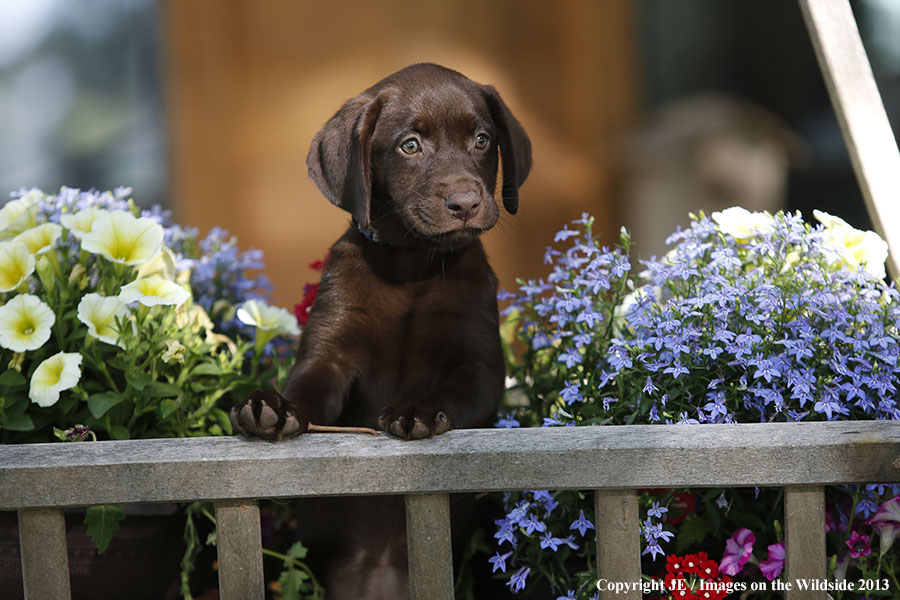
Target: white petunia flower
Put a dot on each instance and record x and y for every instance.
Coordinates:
(741, 224)
(123, 238)
(174, 352)
(40, 239)
(16, 264)
(854, 246)
(151, 291)
(99, 313)
(25, 323)
(57, 373)
(18, 215)
(81, 223)
(268, 318)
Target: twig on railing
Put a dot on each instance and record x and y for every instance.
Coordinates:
(313, 428)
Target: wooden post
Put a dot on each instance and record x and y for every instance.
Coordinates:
(239, 541)
(860, 113)
(804, 527)
(429, 550)
(617, 520)
(45, 556)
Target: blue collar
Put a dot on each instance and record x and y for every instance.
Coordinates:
(369, 234)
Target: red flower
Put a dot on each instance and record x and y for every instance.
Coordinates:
(301, 310)
(695, 577)
(692, 562)
(679, 587)
(310, 291)
(709, 569)
(318, 265)
(674, 564)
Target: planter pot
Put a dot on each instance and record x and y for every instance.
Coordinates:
(142, 561)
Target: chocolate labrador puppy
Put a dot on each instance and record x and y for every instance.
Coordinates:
(403, 334)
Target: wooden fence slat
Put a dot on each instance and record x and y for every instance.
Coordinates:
(860, 112)
(804, 527)
(239, 542)
(45, 556)
(475, 460)
(617, 520)
(429, 549)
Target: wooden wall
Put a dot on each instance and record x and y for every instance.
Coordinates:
(250, 82)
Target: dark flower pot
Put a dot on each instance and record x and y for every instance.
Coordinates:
(142, 561)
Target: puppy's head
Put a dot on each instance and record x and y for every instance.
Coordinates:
(414, 158)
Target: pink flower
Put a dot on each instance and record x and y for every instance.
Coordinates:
(772, 566)
(859, 545)
(737, 551)
(886, 523)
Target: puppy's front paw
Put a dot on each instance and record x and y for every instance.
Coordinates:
(266, 414)
(414, 422)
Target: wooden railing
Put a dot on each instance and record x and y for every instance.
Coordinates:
(38, 480)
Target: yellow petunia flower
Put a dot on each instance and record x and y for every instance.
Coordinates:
(151, 291)
(741, 224)
(19, 215)
(268, 318)
(16, 264)
(25, 323)
(123, 238)
(854, 246)
(40, 239)
(55, 374)
(81, 223)
(99, 313)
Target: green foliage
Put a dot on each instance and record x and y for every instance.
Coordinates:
(102, 522)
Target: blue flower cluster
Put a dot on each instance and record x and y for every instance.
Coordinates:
(528, 531)
(726, 328)
(222, 275)
(765, 328)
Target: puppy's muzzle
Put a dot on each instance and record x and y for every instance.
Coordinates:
(463, 206)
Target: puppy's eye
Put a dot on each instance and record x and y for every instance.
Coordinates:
(410, 146)
(481, 141)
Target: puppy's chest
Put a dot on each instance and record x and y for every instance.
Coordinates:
(412, 313)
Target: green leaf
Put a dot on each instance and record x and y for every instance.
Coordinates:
(12, 378)
(20, 422)
(297, 551)
(162, 389)
(102, 522)
(291, 582)
(692, 530)
(99, 404)
(167, 408)
(118, 432)
(138, 382)
(207, 369)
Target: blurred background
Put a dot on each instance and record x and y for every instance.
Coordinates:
(638, 110)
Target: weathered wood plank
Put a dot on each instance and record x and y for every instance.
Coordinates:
(617, 520)
(763, 454)
(429, 548)
(45, 557)
(860, 113)
(804, 527)
(239, 543)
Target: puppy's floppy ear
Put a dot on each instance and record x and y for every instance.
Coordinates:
(515, 148)
(339, 159)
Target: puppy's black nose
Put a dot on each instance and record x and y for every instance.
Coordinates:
(463, 205)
